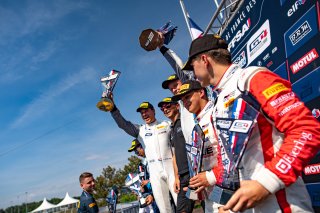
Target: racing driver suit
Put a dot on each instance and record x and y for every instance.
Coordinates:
(155, 139)
(209, 154)
(282, 141)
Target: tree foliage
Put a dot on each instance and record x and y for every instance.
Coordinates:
(110, 176)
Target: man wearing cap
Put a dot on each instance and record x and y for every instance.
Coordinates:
(281, 140)
(170, 109)
(195, 100)
(155, 138)
(144, 176)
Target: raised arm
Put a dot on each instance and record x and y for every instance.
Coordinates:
(175, 62)
(127, 126)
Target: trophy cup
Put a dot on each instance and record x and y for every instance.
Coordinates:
(108, 82)
(151, 39)
(194, 157)
(233, 135)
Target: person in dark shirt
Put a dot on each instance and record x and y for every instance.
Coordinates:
(170, 109)
(87, 203)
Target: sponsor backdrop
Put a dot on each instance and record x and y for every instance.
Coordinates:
(283, 35)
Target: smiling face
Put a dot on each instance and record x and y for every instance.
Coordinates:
(174, 86)
(191, 101)
(148, 115)
(170, 110)
(88, 184)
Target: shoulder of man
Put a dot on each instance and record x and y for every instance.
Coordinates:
(247, 74)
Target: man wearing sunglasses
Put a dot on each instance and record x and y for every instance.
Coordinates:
(180, 163)
(154, 137)
(195, 100)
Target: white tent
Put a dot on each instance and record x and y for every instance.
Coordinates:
(67, 200)
(45, 205)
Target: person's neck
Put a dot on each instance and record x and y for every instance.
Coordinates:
(217, 73)
(174, 118)
(202, 104)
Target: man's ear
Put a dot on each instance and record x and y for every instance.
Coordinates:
(202, 93)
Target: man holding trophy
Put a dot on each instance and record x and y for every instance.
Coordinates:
(154, 137)
(202, 153)
(266, 135)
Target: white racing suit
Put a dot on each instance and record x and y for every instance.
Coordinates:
(155, 139)
(209, 154)
(283, 140)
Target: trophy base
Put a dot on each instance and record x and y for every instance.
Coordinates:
(105, 104)
(220, 195)
(142, 202)
(191, 194)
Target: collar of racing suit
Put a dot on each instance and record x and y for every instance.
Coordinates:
(226, 76)
(204, 111)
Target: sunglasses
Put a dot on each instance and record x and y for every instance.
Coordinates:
(165, 106)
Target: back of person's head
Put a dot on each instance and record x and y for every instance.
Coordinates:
(221, 56)
(84, 175)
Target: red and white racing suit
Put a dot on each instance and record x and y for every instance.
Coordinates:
(284, 139)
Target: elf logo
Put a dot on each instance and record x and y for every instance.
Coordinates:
(295, 7)
(240, 33)
(304, 61)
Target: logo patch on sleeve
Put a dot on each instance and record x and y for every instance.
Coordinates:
(273, 90)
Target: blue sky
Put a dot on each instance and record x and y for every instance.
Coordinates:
(52, 55)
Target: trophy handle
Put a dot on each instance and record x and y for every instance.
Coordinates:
(105, 104)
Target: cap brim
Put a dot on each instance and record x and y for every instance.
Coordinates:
(179, 96)
(164, 102)
(131, 148)
(165, 84)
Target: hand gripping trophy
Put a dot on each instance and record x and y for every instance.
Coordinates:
(108, 82)
(195, 157)
(151, 39)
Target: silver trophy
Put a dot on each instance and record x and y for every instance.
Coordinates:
(233, 135)
(108, 83)
(194, 157)
(133, 182)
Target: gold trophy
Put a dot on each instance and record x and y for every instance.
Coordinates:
(108, 82)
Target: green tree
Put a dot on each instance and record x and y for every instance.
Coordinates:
(112, 177)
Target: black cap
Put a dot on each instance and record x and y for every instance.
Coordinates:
(166, 101)
(144, 105)
(165, 84)
(204, 44)
(134, 144)
(187, 87)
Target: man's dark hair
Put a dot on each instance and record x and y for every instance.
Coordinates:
(84, 175)
(221, 56)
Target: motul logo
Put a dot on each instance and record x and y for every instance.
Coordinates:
(312, 169)
(304, 61)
